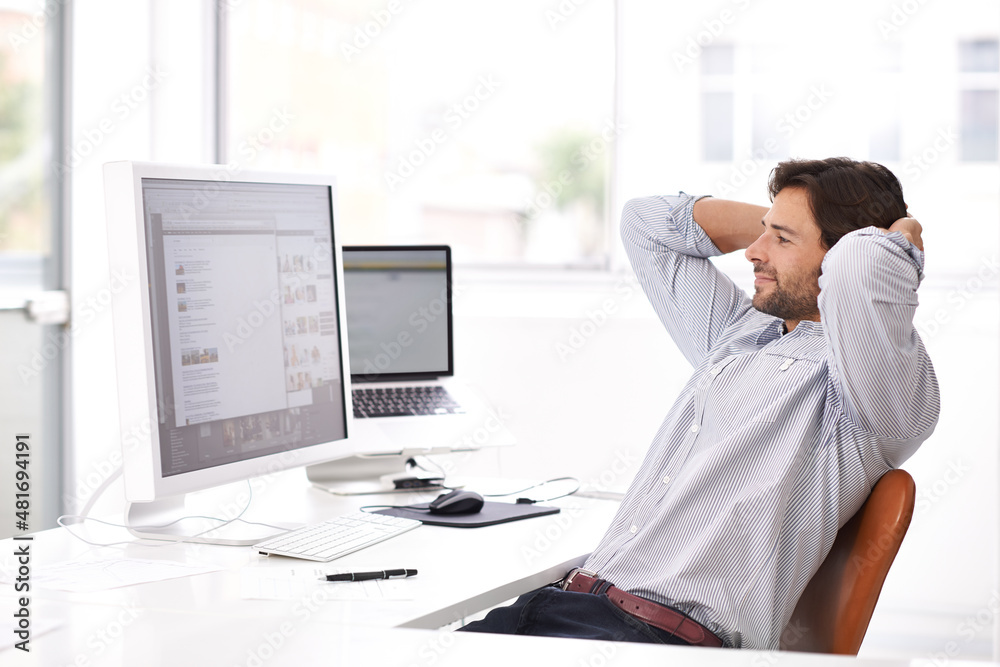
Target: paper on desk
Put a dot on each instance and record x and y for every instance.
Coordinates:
(99, 575)
(277, 583)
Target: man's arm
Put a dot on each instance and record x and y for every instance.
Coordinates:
(910, 229)
(731, 225)
(868, 295)
(668, 250)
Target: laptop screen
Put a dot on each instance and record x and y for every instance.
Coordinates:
(398, 312)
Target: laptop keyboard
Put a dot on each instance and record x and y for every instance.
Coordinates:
(404, 402)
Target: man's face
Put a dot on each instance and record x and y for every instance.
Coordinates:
(786, 260)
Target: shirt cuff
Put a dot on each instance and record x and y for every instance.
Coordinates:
(696, 237)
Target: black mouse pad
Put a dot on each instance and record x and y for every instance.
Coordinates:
(492, 513)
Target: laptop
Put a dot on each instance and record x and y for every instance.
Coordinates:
(406, 397)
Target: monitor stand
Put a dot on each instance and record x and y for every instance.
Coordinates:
(364, 474)
(167, 519)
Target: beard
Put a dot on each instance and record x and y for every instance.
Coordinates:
(790, 297)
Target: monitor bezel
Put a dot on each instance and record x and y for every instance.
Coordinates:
(133, 340)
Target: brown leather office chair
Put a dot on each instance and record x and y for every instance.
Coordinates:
(833, 613)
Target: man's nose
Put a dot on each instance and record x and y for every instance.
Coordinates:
(755, 252)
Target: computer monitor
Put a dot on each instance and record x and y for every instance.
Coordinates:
(230, 334)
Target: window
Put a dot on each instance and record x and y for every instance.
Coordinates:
(24, 209)
(485, 126)
(883, 109)
(32, 166)
(717, 102)
(979, 99)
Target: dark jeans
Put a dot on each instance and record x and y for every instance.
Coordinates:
(553, 612)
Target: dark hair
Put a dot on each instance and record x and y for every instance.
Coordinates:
(843, 194)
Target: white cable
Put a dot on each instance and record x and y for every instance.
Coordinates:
(168, 540)
(99, 491)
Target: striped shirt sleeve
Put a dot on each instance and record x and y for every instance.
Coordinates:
(867, 301)
(669, 252)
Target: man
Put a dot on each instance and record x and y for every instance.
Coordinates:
(801, 399)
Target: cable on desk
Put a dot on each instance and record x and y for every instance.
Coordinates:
(520, 501)
(412, 462)
(534, 486)
(168, 540)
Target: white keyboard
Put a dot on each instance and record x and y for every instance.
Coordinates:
(336, 537)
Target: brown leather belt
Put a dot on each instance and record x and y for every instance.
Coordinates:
(672, 621)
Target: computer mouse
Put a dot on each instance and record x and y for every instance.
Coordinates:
(456, 502)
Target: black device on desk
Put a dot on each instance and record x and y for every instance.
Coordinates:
(490, 513)
(457, 502)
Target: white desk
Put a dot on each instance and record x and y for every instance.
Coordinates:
(159, 638)
(203, 620)
(462, 571)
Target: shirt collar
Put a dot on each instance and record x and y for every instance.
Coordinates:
(776, 327)
(809, 328)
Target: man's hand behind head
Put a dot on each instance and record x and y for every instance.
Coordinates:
(911, 230)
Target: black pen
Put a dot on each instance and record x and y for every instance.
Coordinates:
(366, 576)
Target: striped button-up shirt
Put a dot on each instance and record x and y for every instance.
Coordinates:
(777, 438)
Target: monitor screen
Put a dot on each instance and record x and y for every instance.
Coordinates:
(398, 311)
(243, 312)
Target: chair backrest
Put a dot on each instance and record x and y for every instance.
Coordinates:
(833, 613)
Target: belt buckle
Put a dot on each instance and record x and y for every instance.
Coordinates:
(568, 579)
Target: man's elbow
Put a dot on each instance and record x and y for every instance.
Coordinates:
(631, 218)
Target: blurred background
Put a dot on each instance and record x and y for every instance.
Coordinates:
(514, 132)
